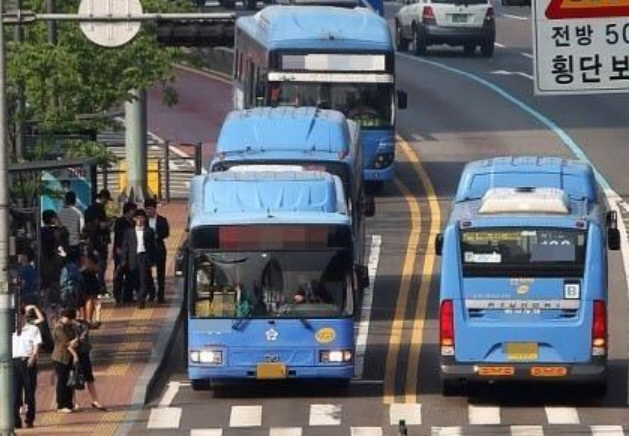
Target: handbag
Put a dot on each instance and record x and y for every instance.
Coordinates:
(76, 379)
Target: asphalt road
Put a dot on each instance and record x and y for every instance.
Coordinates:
(460, 109)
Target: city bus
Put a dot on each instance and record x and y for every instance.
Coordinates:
(332, 58)
(270, 285)
(314, 139)
(523, 291)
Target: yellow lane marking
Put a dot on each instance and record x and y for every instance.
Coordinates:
(395, 337)
(427, 273)
(210, 74)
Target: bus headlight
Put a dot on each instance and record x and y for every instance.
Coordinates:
(212, 357)
(383, 160)
(335, 356)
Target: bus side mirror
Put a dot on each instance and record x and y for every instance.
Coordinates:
(439, 244)
(613, 234)
(362, 276)
(402, 99)
(368, 206)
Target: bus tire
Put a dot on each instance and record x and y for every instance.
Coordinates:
(201, 385)
(487, 49)
(451, 388)
(401, 42)
(419, 45)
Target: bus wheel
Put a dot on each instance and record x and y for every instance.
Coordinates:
(401, 42)
(418, 43)
(452, 388)
(201, 385)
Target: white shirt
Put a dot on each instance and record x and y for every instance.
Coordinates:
(139, 234)
(152, 222)
(25, 343)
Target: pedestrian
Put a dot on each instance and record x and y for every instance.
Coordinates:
(160, 226)
(72, 284)
(53, 252)
(122, 283)
(91, 286)
(71, 217)
(27, 273)
(98, 229)
(83, 349)
(138, 254)
(26, 343)
(64, 358)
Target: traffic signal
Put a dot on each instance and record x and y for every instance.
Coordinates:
(195, 33)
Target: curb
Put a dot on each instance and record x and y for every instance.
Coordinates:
(157, 361)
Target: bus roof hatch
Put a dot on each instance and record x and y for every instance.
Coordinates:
(525, 200)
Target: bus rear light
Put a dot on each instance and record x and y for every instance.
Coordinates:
(599, 329)
(428, 16)
(446, 328)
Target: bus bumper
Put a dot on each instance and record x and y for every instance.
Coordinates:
(383, 175)
(593, 371)
(249, 373)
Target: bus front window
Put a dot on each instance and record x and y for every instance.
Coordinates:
(271, 284)
(369, 104)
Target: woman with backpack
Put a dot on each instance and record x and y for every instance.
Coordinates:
(72, 284)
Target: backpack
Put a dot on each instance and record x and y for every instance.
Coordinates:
(71, 285)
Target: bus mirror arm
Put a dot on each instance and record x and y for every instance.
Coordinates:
(368, 206)
(439, 244)
(613, 234)
(362, 276)
(402, 99)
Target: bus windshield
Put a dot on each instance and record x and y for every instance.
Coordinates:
(273, 284)
(369, 104)
(530, 252)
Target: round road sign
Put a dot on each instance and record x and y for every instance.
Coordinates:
(113, 34)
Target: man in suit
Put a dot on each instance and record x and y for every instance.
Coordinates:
(122, 286)
(160, 226)
(138, 254)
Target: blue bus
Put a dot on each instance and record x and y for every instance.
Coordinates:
(270, 284)
(332, 58)
(523, 292)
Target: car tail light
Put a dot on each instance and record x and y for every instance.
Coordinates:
(428, 15)
(599, 329)
(489, 16)
(446, 328)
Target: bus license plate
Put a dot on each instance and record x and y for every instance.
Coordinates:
(270, 370)
(459, 18)
(522, 351)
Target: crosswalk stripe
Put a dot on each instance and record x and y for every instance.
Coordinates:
(245, 416)
(445, 431)
(325, 414)
(366, 431)
(206, 432)
(411, 413)
(562, 415)
(164, 417)
(607, 430)
(484, 415)
(285, 431)
(527, 430)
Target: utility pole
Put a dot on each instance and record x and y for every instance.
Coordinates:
(7, 318)
(52, 25)
(135, 146)
(21, 104)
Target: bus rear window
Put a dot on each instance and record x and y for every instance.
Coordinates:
(531, 252)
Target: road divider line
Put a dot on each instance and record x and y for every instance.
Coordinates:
(527, 55)
(607, 430)
(497, 44)
(446, 431)
(515, 17)
(395, 337)
(562, 415)
(512, 73)
(483, 415)
(170, 394)
(613, 199)
(527, 430)
(417, 336)
(365, 312)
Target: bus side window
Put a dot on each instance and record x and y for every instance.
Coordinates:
(260, 89)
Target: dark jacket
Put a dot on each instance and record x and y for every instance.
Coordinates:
(62, 335)
(130, 247)
(121, 225)
(162, 231)
(97, 226)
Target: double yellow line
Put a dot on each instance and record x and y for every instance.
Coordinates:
(405, 291)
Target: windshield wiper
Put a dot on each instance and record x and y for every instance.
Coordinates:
(237, 323)
(306, 323)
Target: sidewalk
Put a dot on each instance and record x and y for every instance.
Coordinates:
(128, 349)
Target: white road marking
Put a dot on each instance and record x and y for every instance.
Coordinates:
(365, 313)
(515, 17)
(527, 430)
(170, 394)
(164, 417)
(526, 55)
(285, 431)
(512, 73)
(366, 431)
(411, 413)
(325, 414)
(483, 415)
(245, 416)
(206, 432)
(607, 430)
(562, 415)
(445, 431)
(497, 44)
(418, 137)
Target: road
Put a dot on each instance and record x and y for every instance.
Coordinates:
(460, 109)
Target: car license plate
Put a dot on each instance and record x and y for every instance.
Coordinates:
(270, 370)
(522, 351)
(459, 18)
